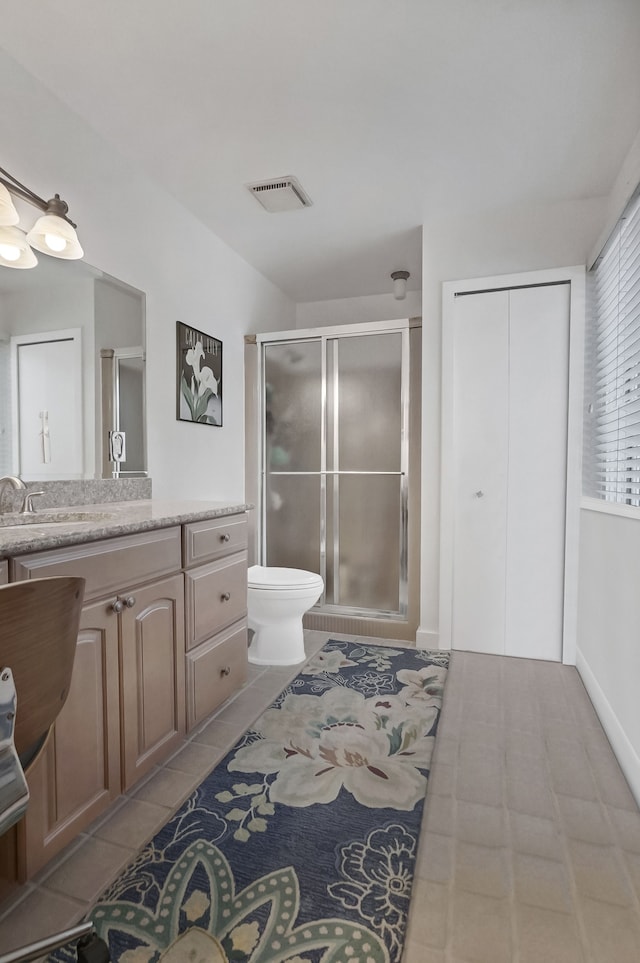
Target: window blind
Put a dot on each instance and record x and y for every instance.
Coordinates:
(612, 424)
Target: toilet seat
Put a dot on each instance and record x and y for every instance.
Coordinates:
(267, 578)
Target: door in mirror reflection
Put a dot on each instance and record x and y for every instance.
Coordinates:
(47, 386)
(335, 466)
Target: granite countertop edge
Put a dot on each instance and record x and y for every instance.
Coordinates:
(140, 515)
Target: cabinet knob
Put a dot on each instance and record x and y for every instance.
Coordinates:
(225, 596)
(226, 670)
(226, 537)
(117, 606)
(130, 601)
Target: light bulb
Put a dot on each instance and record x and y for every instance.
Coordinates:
(55, 242)
(9, 252)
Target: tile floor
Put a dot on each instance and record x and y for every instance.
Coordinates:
(530, 848)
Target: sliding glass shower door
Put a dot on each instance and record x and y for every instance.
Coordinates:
(335, 451)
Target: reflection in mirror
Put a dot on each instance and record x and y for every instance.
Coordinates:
(56, 323)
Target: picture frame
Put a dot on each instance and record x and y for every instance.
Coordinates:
(199, 376)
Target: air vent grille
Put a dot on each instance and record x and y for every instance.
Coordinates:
(280, 194)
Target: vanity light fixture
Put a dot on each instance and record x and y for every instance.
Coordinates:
(400, 279)
(53, 233)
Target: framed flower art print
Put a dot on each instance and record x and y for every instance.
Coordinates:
(199, 377)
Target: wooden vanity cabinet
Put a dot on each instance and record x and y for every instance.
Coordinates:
(162, 643)
(126, 707)
(78, 775)
(215, 561)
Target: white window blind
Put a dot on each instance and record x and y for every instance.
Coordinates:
(612, 425)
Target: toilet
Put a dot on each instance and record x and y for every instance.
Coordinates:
(277, 600)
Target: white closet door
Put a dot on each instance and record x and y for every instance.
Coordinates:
(536, 496)
(510, 389)
(480, 418)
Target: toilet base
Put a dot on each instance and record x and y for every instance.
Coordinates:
(278, 644)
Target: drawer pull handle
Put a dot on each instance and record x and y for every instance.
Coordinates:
(226, 671)
(117, 606)
(130, 601)
(226, 537)
(225, 596)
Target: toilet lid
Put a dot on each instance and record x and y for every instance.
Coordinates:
(266, 577)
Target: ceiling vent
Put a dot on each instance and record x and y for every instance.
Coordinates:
(280, 194)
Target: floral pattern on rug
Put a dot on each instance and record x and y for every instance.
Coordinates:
(300, 846)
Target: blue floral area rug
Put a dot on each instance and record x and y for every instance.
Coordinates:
(300, 846)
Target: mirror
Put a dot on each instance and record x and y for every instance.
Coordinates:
(72, 367)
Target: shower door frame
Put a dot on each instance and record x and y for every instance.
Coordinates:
(323, 335)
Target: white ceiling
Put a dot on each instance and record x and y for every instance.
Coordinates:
(393, 114)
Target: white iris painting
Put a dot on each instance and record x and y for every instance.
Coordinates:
(199, 395)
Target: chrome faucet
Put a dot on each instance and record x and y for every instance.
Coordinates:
(14, 481)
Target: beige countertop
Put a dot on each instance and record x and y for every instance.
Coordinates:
(75, 524)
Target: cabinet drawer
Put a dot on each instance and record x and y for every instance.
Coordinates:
(215, 670)
(214, 538)
(215, 596)
(109, 564)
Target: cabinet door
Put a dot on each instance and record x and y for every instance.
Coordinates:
(152, 660)
(215, 670)
(215, 596)
(78, 774)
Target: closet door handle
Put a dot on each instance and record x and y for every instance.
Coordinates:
(117, 606)
(225, 596)
(226, 670)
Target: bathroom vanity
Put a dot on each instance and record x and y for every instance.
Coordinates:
(162, 644)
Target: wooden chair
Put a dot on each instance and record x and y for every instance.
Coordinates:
(39, 620)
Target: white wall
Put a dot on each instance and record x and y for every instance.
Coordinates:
(134, 231)
(373, 307)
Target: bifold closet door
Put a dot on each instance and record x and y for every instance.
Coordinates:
(510, 439)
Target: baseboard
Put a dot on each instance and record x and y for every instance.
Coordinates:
(624, 751)
(427, 639)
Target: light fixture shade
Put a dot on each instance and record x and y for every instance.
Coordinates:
(55, 236)
(14, 249)
(400, 279)
(8, 214)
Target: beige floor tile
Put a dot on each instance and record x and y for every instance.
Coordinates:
(484, 825)
(570, 771)
(435, 858)
(626, 826)
(613, 787)
(535, 835)
(133, 824)
(169, 788)
(480, 776)
(612, 932)
(481, 929)
(42, 913)
(89, 869)
(542, 882)
(428, 915)
(599, 873)
(417, 953)
(438, 814)
(195, 758)
(221, 735)
(585, 820)
(547, 937)
(481, 869)
(528, 788)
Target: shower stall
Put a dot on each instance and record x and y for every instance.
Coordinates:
(335, 418)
